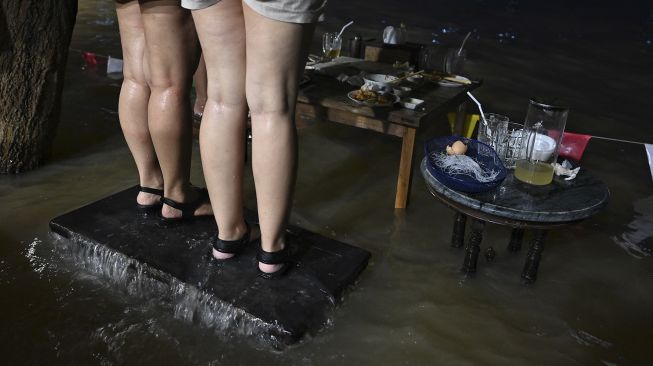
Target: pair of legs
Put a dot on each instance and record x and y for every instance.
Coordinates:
(160, 54)
(256, 61)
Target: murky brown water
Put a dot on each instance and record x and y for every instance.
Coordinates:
(590, 306)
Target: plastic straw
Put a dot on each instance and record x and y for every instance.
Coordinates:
(343, 28)
(463, 44)
(479, 107)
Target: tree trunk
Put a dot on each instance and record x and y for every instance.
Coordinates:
(34, 40)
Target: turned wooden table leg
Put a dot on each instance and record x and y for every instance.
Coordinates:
(473, 246)
(516, 238)
(458, 236)
(533, 258)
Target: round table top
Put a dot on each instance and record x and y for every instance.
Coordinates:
(560, 202)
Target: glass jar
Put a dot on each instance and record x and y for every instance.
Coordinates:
(544, 126)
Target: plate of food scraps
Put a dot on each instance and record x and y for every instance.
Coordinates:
(373, 98)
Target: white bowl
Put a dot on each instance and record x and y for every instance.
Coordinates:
(411, 103)
(543, 148)
(378, 81)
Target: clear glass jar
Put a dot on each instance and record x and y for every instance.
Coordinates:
(544, 126)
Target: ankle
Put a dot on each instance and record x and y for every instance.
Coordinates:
(235, 232)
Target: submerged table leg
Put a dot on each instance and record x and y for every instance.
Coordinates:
(405, 168)
(473, 246)
(516, 238)
(458, 236)
(533, 258)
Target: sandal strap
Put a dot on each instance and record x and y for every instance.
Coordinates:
(232, 246)
(158, 192)
(188, 208)
(278, 257)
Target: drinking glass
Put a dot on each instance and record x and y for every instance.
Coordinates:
(505, 137)
(544, 126)
(331, 45)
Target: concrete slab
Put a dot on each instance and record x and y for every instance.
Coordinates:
(292, 306)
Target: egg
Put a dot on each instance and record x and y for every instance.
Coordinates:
(457, 148)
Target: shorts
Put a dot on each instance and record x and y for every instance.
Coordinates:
(291, 11)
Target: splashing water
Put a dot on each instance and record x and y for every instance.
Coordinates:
(188, 303)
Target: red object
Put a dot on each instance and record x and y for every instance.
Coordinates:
(89, 57)
(573, 145)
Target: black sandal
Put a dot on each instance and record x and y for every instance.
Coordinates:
(187, 208)
(280, 257)
(232, 246)
(154, 206)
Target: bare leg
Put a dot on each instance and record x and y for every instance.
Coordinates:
(134, 96)
(221, 30)
(200, 88)
(171, 46)
(276, 53)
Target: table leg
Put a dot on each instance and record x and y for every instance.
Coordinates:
(473, 246)
(405, 168)
(516, 238)
(460, 118)
(533, 258)
(458, 236)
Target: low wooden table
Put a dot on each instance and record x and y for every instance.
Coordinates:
(521, 206)
(325, 98)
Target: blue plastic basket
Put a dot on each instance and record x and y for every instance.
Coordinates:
(484, 155)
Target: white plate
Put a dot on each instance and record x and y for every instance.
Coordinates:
(454, 81)
(368, 103)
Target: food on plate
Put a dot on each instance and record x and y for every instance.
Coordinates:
(367, 96)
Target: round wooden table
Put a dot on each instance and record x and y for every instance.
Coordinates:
(520, 206)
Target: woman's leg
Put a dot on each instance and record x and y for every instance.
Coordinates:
(276, 54)
(200, 81)
(221, 30)
(172, 53)
(134, 96)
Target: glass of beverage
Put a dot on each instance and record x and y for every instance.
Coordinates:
(505, 137)
(545, 123)
(331, 45)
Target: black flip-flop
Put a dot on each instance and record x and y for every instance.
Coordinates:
(187, 208)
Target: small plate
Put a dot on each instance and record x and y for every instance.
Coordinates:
(454, 81)
(374, 102)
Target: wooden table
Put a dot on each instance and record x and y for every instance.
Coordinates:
(520, 206)
(325, 98)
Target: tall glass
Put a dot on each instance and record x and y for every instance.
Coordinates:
(544, 125)
(331, 45)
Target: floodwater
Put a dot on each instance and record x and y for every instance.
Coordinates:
(592, 303)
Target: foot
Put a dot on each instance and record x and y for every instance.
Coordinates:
(149, 196)
(273, 264)
(192, 196)
(254, 235)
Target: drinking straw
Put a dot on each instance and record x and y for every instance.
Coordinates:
(343, 28)
(479, 107)
(463, 44)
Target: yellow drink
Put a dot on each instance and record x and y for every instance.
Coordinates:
(534, 172)
(333, 54)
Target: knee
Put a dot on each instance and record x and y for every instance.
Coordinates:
(168, 86)
(264, 101)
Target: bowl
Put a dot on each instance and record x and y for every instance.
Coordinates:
(378, 81)
(543, 148)
(411, 103)
(483, 154)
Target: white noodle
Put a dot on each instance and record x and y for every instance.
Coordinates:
(464, 165)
